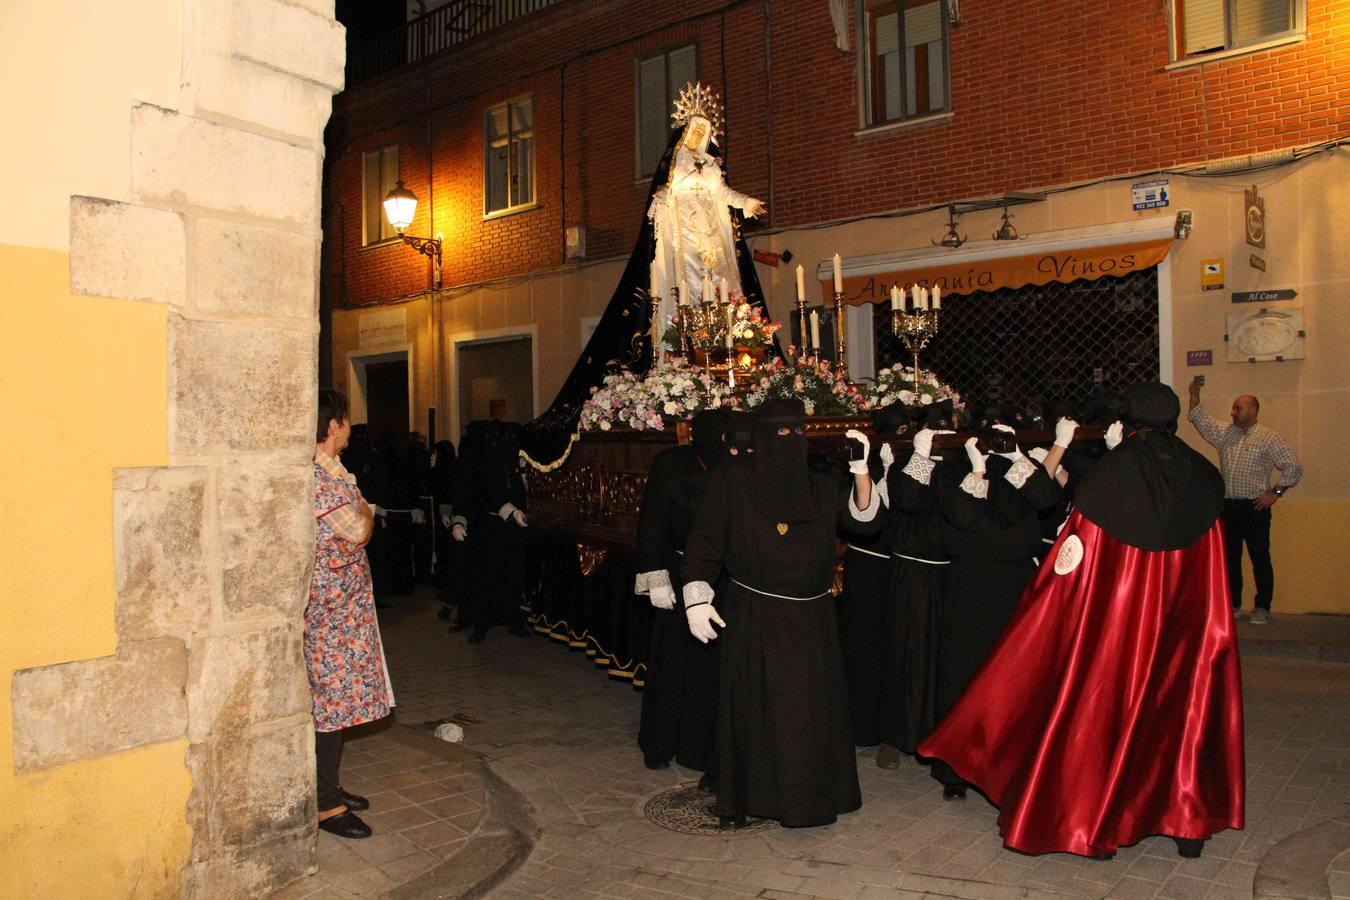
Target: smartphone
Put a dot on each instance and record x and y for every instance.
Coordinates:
(1200, 380)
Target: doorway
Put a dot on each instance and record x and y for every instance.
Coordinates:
(496, 379)
(387, 399)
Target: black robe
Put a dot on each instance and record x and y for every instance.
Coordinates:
(994, 543)
(865, 641)
(784, 739)
(679, 712)
(488, 476)
(916, 610)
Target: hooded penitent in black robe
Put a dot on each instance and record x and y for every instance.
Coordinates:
(916, 608)
(1111, 708)
(993, 543)
(785, 748)
(679, 717)
(486, 479)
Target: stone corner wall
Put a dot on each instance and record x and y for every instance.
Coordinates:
(213, 552)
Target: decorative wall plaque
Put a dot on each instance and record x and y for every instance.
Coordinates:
(1256, 218)
(1265, 335)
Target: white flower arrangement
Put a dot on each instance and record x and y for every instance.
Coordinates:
(668, 393)
(896, 384)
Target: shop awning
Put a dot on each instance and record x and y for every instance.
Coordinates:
(991, 266)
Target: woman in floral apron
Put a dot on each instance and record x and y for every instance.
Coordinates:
(347, 672)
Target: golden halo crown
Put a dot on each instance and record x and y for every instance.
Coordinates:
(697, 100)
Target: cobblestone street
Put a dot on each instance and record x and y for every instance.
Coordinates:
(561, 734)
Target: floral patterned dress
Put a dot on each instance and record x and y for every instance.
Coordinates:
(343, 653)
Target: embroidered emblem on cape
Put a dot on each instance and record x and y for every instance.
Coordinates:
(1069, 556)
(782, 528)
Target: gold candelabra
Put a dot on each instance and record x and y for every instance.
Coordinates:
(916, 329)
(803, 336)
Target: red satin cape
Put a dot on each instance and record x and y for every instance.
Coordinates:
(1111, 707)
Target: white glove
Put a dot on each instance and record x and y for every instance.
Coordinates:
(700, 619)
(1064, 430)
(887, 457)
(518, 516)
(459, 532)
(923, 442)
(445, 520)
(419, 517)
(976, 458)
(1016, 452)
(1114, 435)
(662, 596)
(506, 511)
(859, 466)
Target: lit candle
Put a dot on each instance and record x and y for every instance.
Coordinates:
(726, 291)
(684, 293)
(923, 299)
(937, 298)
(815, 330)
(897, 299)
(914, 296)
(838, 274)
(801, 283)
(707, 290)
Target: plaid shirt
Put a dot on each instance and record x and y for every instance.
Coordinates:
(346, 520)
(1246, 457)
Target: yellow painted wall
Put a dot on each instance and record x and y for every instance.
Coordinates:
(84, 383)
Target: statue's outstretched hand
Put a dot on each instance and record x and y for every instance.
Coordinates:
(754, 209)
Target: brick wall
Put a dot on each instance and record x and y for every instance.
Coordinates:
(1043, 92)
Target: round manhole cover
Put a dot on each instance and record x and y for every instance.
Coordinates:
(689, 810)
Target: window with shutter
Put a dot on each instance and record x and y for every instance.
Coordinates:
(660, 78)
(379, 174)
(1213, 26)
(905, 58)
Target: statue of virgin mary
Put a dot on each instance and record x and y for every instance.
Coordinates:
(691, 230)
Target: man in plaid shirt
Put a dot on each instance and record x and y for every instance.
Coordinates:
(1247, 453)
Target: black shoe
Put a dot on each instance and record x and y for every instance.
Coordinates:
(953, 792)
(708, 783)
(476, 636)
(653, 762)
(1103, 855)
(1189, 848)
(345, 825)
(731, 823)
(354, 802)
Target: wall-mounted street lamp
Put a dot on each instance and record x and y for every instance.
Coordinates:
(399, 207)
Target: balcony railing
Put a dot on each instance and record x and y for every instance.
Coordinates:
(437, 31)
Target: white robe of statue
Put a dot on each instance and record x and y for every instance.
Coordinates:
(691, 218)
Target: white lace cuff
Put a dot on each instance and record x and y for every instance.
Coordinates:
(883, 488)
(868, 514)
(975, 486)
(920, 468)
(1039, 454)
(645, 581)
(1020, 471)
(697, 593)
(459, 520)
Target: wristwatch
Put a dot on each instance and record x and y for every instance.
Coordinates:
(1277, 491)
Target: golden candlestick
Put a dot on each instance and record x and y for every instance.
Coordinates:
(916, 329)
(840, 336)
(803, 335)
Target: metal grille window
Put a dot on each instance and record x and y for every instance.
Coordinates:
(660, 79)
(508, 178)
(1047, 342)
(1211, 26)
(905, 58)
(379, 173)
